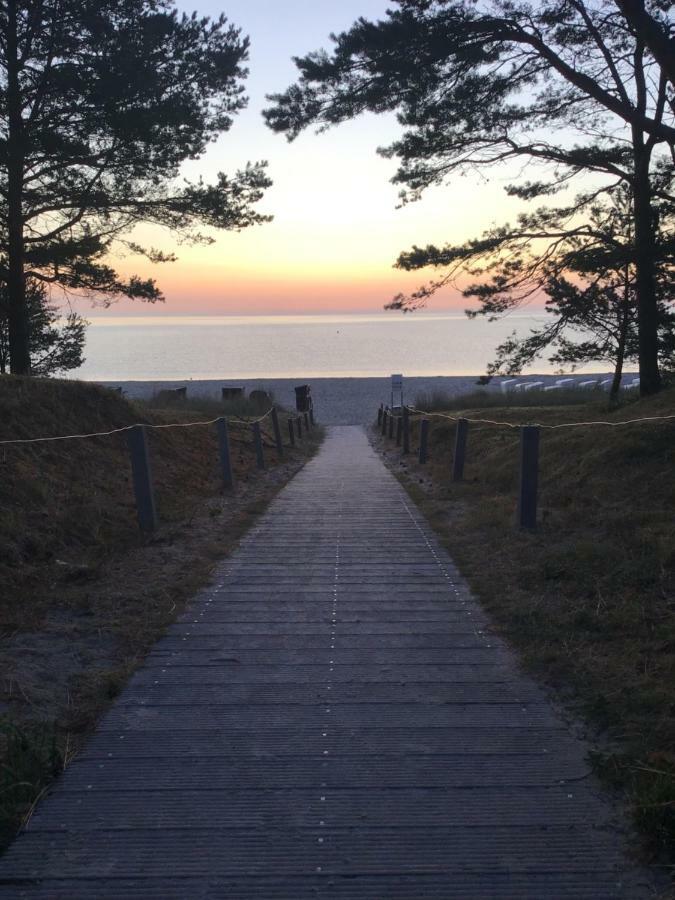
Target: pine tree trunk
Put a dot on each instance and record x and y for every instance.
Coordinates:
(621, 349)
(19, 333)
(645, 249)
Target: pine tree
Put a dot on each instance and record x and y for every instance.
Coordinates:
(101, 102)
(55, 343)
(569, 84)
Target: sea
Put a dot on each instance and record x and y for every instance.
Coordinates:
(184, 348)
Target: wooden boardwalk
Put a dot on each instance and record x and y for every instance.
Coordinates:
(332, 719)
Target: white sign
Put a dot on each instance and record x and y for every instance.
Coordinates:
(396, 391)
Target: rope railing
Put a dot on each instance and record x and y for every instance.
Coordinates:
(71, 437)
(94, 434)
(242, 420)
(529, 444)
(140, 458)
(516, 425)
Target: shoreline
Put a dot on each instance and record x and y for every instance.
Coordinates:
(347, 400)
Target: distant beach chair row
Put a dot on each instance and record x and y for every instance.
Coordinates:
(179, 395)
(514, 385)
(238, 393)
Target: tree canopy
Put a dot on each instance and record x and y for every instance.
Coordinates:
(102, 102)
(569, 84)
(584, 271)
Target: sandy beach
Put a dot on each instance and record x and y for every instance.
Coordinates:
(337, 401)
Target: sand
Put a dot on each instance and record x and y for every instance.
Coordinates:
(337, 401)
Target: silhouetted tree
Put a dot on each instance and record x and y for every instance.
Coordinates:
(582, 266)
(55, 343)
(654, 31)
(101, 101)
(568, 83)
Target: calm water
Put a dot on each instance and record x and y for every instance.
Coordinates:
(182, 348)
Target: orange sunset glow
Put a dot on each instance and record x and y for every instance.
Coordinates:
(337, 230)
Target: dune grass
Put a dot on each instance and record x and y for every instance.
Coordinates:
(237, 407)
(589, 597)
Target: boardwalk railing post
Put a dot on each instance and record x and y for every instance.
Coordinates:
(277, 431)
(257, 442)
(306, 421)
(399, 430)
(291, 433)
(460, 449)
(379, 416)
(141, 474)
(390, 433)
(312, 422)
(406, 430)
(529, 476)
(424, 441)
(385, 416)
(298, 425)
(225, 455)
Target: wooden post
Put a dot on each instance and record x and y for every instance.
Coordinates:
(385, 416)
(460, 449)
(141, 475)
(225, 455)
(399, 430)
(424, 441)
(406, 430)
(291, 432)
(390, 433)
(379, 416)
(529, 476)
(257, 442)
(311, 416)
(277, 432)
(306, 421)
(298, 425)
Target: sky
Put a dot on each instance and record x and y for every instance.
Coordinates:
(336, 231)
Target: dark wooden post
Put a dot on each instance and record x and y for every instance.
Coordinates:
(225, 455)
(306, 421)
(529, 476)
(291, 432)
(298, 424)
(277, 432)
(141, 475)
(406, 430)
(257, 442)
(399, 430)
(424, 441)
(460, 449)
(311, 416)
(379, 416)
(385, 416)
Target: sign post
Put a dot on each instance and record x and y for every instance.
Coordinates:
(396, 391)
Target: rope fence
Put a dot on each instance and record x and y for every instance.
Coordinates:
(512, 425)
(530, 439)
(94, 434)
(139, 454)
